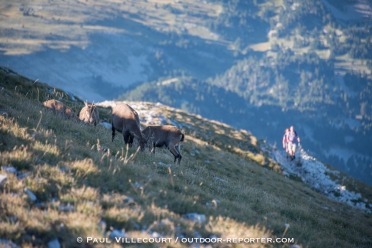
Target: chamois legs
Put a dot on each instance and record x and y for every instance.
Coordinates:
(128, 138)
(175, 150)
(113, 131)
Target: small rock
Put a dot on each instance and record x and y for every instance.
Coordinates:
(71, 96)
(165, 155)
(213, 236)
(9, 169)
(4, 113)
(23, 175)
(340, 188)
(7, 244)
(13, 219)
(199, 218)
(213, 203)
(136, 225)
(165, 165)
(106, 125)
(66, 208)
(3, 179)
(54, 244)
(102, 149)
(61, 228)
(102, 225)
(138, 185)
(41, 205)
(220, 179)
(294, 246)
(129, 201)
(117, 234)
(64, 169)
(30, 194)
(197, 235)
(156, 235)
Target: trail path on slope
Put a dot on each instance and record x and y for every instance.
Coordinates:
(316, 174)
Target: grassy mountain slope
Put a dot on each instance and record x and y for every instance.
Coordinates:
(224, 175)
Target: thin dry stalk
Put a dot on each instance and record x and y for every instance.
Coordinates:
(131, 157)
(285, 230)
(134, 188)
(171, 176)
(38, 124)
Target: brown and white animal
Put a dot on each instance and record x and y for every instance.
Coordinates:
(89, 114)
(126, 121)
(59, 107)
(165, 136)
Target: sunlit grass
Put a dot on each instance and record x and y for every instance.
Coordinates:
(28, 27)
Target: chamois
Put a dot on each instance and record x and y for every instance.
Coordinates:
(126, 121)
(89, 114)
(58, 106)
(168, 136)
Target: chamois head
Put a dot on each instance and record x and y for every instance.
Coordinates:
(89, 114)
(142, 141)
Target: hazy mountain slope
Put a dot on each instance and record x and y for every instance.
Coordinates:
(79, 183)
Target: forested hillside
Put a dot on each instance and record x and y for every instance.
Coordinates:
(296, 63)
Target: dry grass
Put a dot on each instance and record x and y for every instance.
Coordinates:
(27, 27)
(223, 175)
